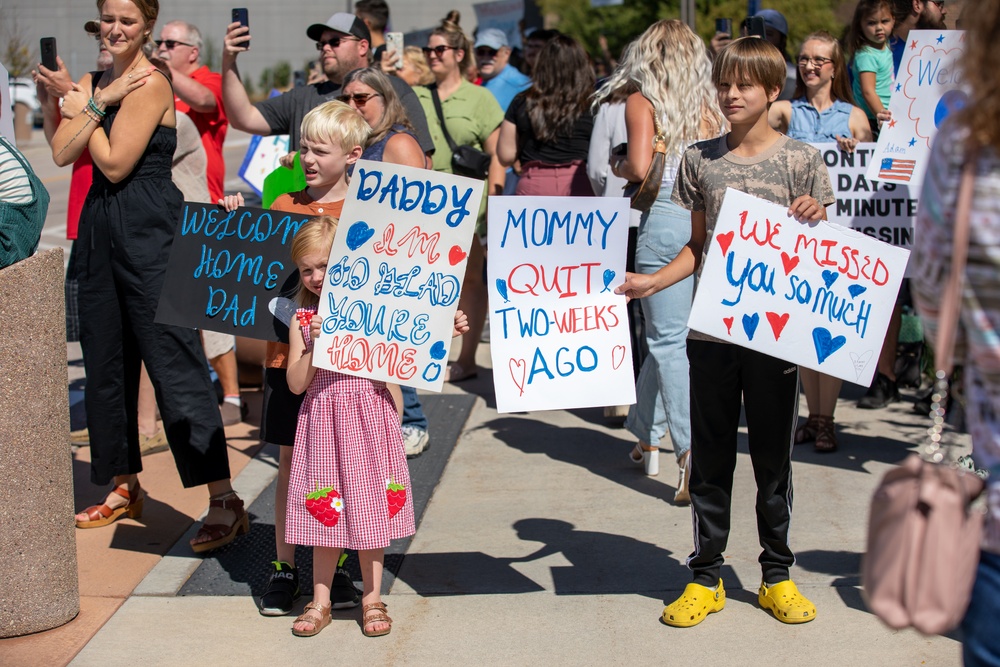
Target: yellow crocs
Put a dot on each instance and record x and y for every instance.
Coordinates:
(694, 605)
(786, 603)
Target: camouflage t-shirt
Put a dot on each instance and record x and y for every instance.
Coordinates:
(785, 170)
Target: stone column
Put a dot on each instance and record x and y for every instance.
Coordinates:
(37, 533)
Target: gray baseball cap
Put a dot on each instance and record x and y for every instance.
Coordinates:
(349, 24)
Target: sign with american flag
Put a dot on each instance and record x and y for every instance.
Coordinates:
(926, 90)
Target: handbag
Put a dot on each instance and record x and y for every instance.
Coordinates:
(465, 160)
(644, 194)
(923, 534)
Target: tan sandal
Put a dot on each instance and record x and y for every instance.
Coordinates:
(378, 615)
(317, 624)
(220, 534)
(102, 515)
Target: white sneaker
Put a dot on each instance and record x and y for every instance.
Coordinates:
(415, 441)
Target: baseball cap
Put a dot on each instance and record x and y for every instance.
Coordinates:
(774, 19)
(92, 27)
(349, 24)
(494, 38)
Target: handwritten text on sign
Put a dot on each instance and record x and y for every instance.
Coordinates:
(226, 267)
(558, 333)
(395, 274)
(816, 295)
(927, 89)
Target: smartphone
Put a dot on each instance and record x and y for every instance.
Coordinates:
(242, 16)
(756, 28)
(724, 26)
(394, 42)
(299, 78)
(47, 46)
(620, 149)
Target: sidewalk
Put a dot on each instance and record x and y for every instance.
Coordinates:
(541, 544)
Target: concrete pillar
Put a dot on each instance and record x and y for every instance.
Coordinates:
(37, 533)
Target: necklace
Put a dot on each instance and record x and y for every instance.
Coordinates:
(129, 72)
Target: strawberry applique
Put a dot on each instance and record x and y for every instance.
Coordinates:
(325, 505)
(396, 495)
(305, 316)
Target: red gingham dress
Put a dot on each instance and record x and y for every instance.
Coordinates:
(348, 439)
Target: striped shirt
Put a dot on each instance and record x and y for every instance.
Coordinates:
(14, 185)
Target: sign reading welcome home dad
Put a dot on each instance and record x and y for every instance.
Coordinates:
(395, 273)
(225, 268)
(559, 334)
(926, 90)
(816, 295)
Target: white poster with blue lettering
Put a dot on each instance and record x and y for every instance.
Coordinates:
(819, 295)
(926, 90)
(559, 335)
(395, 273)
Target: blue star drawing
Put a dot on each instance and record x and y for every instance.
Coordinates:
(899, 86)
(913, 141)
(940, 39)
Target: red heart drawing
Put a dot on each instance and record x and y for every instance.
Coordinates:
(455, 255)
(777, 321)
(729, 324)
(724, 241)
(789, 262)
(517, 370)
(617, 356)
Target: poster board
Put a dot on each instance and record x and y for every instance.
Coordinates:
(395, 274)
(227, 268)
(817, 295)
(262, 158)
(927, 90)
(6, 107)
(559, 335)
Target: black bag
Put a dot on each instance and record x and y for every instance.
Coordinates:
(465, 160)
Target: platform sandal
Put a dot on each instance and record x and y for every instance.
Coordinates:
(694, 605)
(377, 615)
(102, 515)
(807, 432)
(323, 610)
(220, 534)
(826, 435)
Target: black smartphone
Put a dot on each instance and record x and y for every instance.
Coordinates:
(756, 28)
(724, 26)
(620, 149)
(299, 77)
(47, 45)
(242, 16)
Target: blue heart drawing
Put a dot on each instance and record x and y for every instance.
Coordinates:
(432, 372)
(830, 277)
(750, 324)
(438, 351)
(825, 343)
(856, 290)
(609, 275)
(358, 235)
(502, 289)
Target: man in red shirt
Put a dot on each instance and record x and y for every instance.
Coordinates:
(198, 93)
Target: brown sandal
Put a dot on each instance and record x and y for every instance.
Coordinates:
(378, 615)
(102, 515)
(807, 432)
(826, 436)
(220, 534)
(306, 617)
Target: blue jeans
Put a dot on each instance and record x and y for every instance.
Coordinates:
(413, 413)
(663, 397)
(981, 647)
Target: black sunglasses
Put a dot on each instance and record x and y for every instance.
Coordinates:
(333, 42)
(486, 52)
(171, 43)
(439, 49)
(359, 98)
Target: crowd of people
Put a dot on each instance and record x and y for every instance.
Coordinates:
(145, 131)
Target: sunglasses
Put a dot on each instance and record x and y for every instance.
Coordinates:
(360, 99)
(438, 50)
(486, 52)
(333, 42)
(171, 43)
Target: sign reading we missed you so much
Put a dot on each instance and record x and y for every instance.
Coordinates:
(395, 273)
(559, 335)
(817, 295)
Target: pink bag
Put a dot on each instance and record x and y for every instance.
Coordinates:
(923, 536)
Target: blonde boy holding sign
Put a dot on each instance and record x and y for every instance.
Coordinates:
(755, 159)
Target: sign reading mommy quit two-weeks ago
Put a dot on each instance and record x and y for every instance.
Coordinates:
(927, 89)
(395, 274)
(817, 295)
(559, 335)
(226, 269)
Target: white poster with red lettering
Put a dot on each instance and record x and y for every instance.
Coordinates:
(395, 273)
(818, 295)
(559, 335)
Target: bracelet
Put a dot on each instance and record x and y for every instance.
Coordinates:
(93, 107)
(91, 115)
